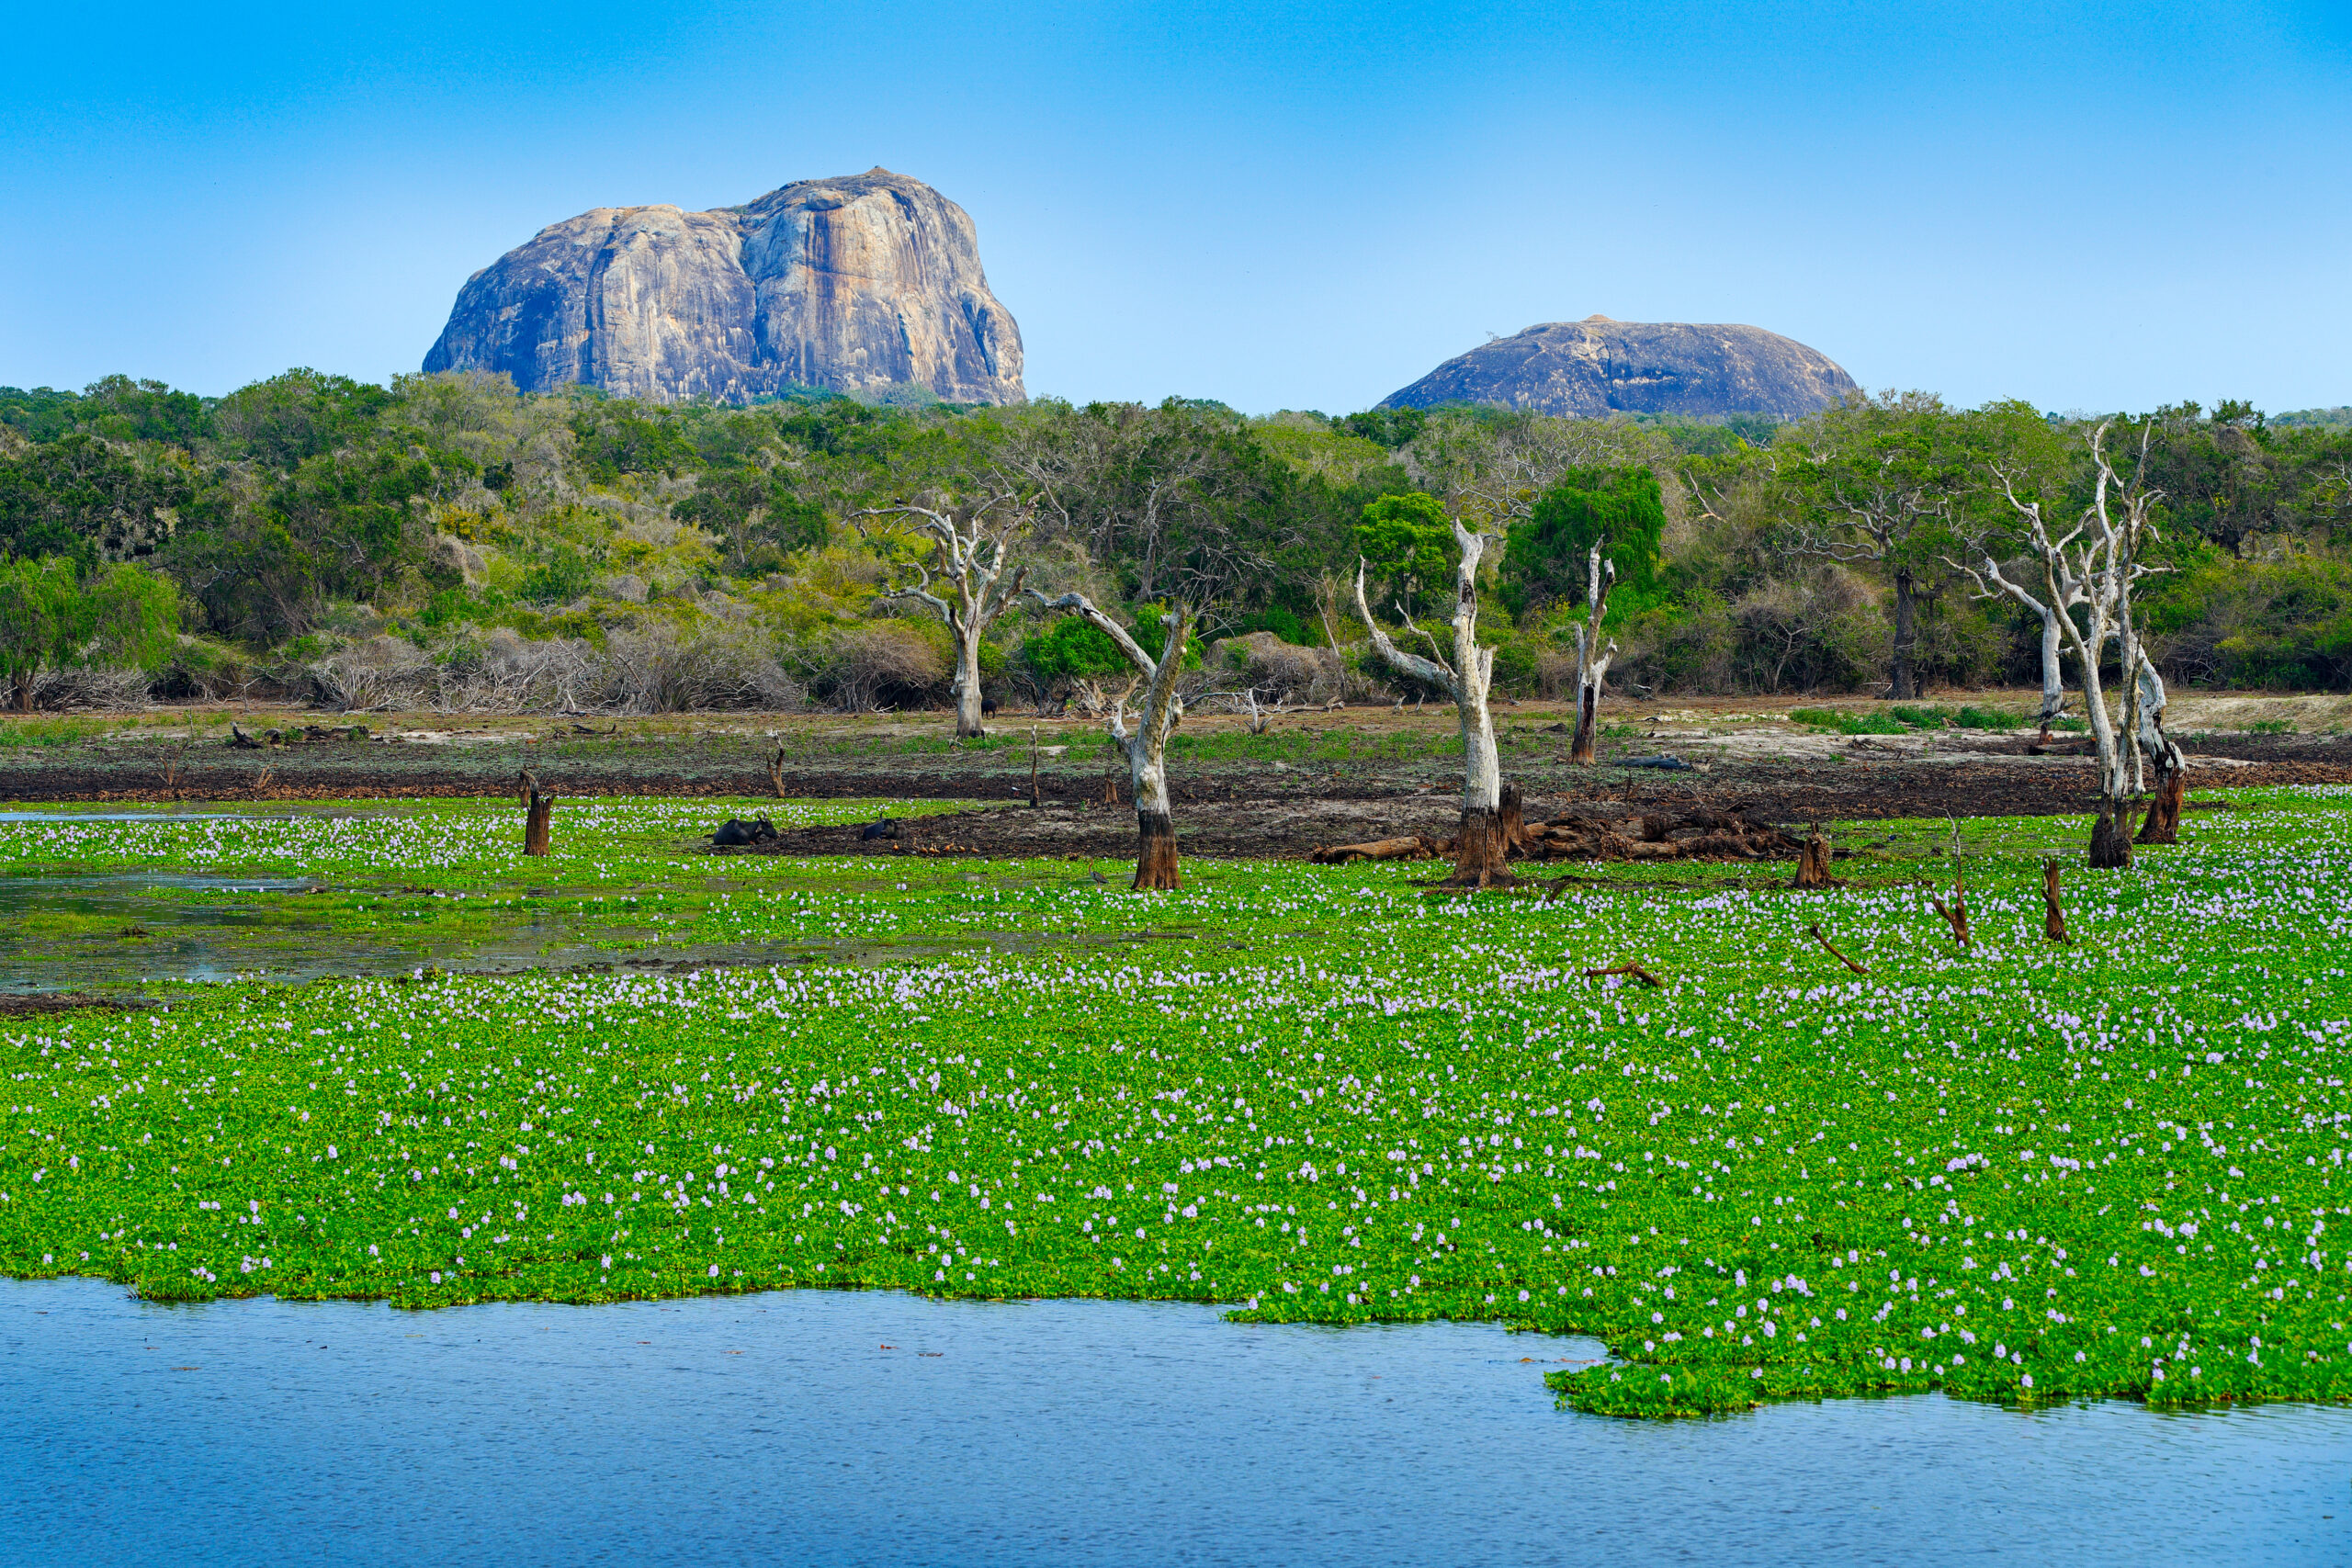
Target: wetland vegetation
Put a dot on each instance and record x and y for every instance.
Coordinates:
(2018, 1171)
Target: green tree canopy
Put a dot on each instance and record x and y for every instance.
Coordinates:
(1551, 552)
(1065, 648)
(51, 616)
(1406, 544)
(755, 512)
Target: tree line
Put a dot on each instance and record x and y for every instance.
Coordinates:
(313, 522)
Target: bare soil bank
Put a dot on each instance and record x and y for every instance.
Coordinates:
(1315, 779)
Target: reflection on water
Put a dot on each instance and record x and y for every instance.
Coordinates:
(833, 1427)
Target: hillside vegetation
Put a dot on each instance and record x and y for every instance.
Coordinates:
(445, 543)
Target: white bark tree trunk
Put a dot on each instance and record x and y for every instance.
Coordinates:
(1146, 747)
(969, 717)
(2053, 680)
(1479, 849)
(1592, 659)
(971, 547)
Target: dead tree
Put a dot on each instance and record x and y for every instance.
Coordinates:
(1813, 862)
(1479, 847)
(2162, 825)
(2113, 528)
(776, 770)
(970, 542)
(2062, 594)
(1592, 659)
(1146, 747)
(1512, 824)
(539, 808)
(2094, 564)
(2053, 914)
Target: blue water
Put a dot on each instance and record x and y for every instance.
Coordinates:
(868, 1427)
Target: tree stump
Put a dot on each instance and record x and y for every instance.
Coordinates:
(2111, 838)
(538, 809)
(1813, 864)
(2053, 915)
(776, 771)
(1479, 854)
(1514, 823)
(2162, 825)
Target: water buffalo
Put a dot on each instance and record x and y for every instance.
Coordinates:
(734, 833)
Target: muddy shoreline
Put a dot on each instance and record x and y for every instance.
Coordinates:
(1227, 807)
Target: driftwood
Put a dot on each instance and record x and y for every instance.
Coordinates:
(1815, 931)
(1636, 970)
(1605, 830)
(1377, 849)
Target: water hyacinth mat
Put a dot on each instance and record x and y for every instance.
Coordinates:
(2022, 1172)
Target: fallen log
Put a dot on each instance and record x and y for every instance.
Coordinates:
(1636, 970)
(1377, 849)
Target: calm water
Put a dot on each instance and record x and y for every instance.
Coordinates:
(779, 1427)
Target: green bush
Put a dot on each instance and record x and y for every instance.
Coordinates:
(1850, 723)
(564, 576)
(1966, 716)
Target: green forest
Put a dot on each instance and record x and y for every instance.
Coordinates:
(443, 543)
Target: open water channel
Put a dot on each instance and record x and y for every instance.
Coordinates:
(870, 1427)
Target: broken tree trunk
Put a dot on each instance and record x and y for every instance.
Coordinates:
(1513, 822)
(538, 809)
(1146, 749)
(2111, 836)
(1813, 862)
(1592, 659)
(2053, 914)
(2162, 825)
(776, 771)
(1036, 801)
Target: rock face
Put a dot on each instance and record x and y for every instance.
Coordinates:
(1595, 367)
(865, 285)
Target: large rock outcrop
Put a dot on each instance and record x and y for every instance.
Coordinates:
(865, 285)
(1597, 367)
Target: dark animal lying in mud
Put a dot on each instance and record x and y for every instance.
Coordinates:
(735, 833)
(884, 829)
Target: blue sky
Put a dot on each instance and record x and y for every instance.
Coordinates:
(2091, 206)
